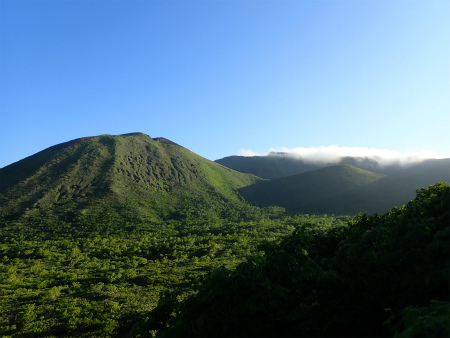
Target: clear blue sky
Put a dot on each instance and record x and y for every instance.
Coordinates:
(218, 76)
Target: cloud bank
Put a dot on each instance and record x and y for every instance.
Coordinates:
(332, 154)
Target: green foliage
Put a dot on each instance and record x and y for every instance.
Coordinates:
(88, 280)
(117, 235)
(429, 321)
(337, 281)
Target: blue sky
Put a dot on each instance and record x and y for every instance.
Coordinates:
(221, 76)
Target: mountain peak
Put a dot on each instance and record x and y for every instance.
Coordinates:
(135, 134)
(86, 174)
(163, 140)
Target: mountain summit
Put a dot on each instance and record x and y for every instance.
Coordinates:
(117, 175)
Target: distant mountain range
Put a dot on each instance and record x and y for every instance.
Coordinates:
(277, 165)
(133, 176)
(317, 187)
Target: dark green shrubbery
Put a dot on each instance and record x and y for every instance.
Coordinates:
(380, 275)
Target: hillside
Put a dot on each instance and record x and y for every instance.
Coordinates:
(398, 187)
(346, 190)
(311, 192)
(277, 165)
(126, 177)
(272, 166)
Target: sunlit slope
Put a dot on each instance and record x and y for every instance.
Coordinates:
(131, 172)
(313, 191)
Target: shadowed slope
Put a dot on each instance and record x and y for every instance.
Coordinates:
(277, 165)
(312, 191)
(344, 189)
(270, 167)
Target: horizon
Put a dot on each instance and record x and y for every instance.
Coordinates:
(218, 77)
(323, 154)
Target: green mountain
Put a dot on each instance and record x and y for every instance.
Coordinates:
(344, 189)
(396, 188)
(95, 230)
(126, 177)
(277, 165)
(272, 166)
(311, 192)
(112, 180)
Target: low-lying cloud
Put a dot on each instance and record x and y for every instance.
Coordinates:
(332, 154)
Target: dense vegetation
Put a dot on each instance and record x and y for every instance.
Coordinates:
(115, 236)
(74, 280)
(378, 276)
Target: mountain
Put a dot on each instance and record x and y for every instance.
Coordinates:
(278, 164)
(124, 177)
(107, 180)
(312, 191)
(397, 187)
(344, 189)
(272, 166)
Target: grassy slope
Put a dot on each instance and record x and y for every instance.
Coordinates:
(312, 191)
(133, 169)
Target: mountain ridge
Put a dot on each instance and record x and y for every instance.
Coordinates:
(156, 176)
(308, 191)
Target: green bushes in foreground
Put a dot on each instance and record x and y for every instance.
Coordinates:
(378, 276)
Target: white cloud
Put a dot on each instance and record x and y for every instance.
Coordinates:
(248, 152)
(332, 154)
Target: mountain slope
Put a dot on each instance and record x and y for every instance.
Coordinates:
(312, 191)
(344, 189)
(129, 174)
(277, 165)
(396, 188)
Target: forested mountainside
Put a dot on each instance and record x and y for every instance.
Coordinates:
(346, 190)
(105, 236)
(317, 191)
(278, 165)
(110, 179)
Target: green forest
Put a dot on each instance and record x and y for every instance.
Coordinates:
(275, 275)
(129, 236)
(60, 281)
